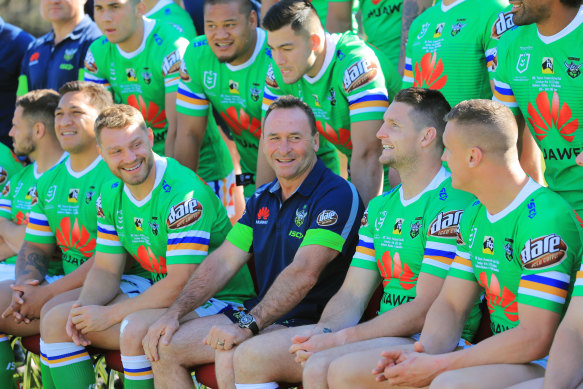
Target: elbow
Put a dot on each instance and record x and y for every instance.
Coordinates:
(539, 344)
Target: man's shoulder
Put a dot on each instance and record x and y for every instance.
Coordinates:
(87, 30)
(165, 34)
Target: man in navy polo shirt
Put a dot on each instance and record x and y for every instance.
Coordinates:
(14, 44)
(57, 57)
(301, 229)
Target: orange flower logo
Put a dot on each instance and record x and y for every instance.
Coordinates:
(406, 277)
(495, 297)
(148, 260)
(263, 213)
(75, 238)
(340, 138)
(428, 72)
(154, 117)
(551, 115)
(241, 122)
(21, 218)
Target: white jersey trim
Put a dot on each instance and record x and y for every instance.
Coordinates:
(576, 22)
(441, 176)
(261, 36)
(38, 174)
(148, 27)
(161, 164)
(530, 187)
(446, 8)
(331, 42)
(159, 5)
(84, 171)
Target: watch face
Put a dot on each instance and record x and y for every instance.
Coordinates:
(246, 319)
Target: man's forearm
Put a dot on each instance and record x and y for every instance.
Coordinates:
(100, 286)
(410, 10)
(343, 310)
(366, 173)
(13, 234)
(32, 263)
(72, 280)
(187, 149)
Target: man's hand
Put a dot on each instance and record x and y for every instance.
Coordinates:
(161, 331)
(579, 159)
(34, 296)
(304, 345)
(408, 368)
(225, 337)
(91, 318)
(14, 307)
(77, 336)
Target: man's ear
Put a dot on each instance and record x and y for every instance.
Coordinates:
(475, 157)
(39, 130)
(316, 41)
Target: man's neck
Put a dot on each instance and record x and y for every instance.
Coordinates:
(288, 187)
(413, 181)
(134, 41)
(500, 187)
(250, 50)
(559, 18)
(81, 161)
(150, 4)
(63, 29)
(448, 2)
(320, 58)
(47, 157)
(145, 188)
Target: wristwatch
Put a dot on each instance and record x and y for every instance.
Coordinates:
(247, 320)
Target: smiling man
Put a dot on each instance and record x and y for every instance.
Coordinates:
(300, 228)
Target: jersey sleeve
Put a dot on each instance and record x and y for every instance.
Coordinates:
(241, 235)
(578, 287)
(38, 229)
(191, 99)
(364, 256)
(6, 202)
(365, 88)
(462, 267)
(272, 88)
(107, 238)
(502, 91)
(93, 72)
(492, 32)
(408, 71)
(171, 64)
(333, 218)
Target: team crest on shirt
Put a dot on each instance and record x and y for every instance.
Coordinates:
(131, 75)
(154, 225)
(332, 96)
(73, 195)
(6, 189)
(547, 65)
(139, 222)
(488, 245)
(233, 87)
(364, 220)
(457, 28)
(438, 30)
(415, 227)
(255, 91)
(423, 31)
(183, 71)
(172, 63)
(503, 23)
(184, 214)
(573, 69)
(210, 79)
(380, 220)
(300, 216)
(3, 175)
(458, 236)
(270, 78)
(327, 218)
(359, 74)
(522, 63)
(544, 251)
(69, 54)
(147, 76)
(316, 100)
(398, 227)
(90, 62)
(51, 194)
(30, 193)
(508, 250)
(89, 194)
(99, 207)
(34, 196)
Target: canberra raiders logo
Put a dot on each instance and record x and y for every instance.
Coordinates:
(573, 70)
(415, 226)
(457, 28)
(300, 216)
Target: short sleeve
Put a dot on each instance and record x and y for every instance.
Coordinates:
(171, 65)
(6, 202)
(461, 266)
(38, 229)
(272, 89)
(191, 99)
(107, 238)
(364, 256)
(92, 71)
(241, 235)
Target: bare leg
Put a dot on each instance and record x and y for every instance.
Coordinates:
(532, 384)
(487, 376)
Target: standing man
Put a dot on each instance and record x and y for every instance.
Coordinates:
(168, 220)
(539, 78)
(407, 241)
(57, 57)
(519, 244)
(301, 229)
(170, 12)
(339, 77)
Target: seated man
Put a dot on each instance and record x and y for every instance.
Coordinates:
(407, 241)
(519, 244)
(164, 216)
(301, 229)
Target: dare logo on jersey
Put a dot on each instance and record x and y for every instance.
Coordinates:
(90, 62)
(359, 74)
(6, 189)
(327, 218)
(184, 76)
(3, 175)
(172, 63)
(270, 78)
(503, 23)
(543, 252)
(364, 220)
(99, 207)
(445, 225)
(458, 236)
(183, 214)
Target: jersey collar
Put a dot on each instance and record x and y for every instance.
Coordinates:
(161, 164)
(446, 8)
(148, 27)
(530, 187)
(159, 5)
(576, 22)
(331, 41)
(38, 175)
(261, 35)
(76, 34)
(307, 186)
(441, 176)
(84, 171)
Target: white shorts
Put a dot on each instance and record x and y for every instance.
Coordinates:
(541, 362)
(7, 271)
(130, 284)
(224, 189)
(215, 306)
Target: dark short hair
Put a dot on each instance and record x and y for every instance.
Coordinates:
(429, 107)
(572, 3)
(99, 97)
(288, 102)
(118, 116)
(245, 6)
(39, 106)
(296, 13)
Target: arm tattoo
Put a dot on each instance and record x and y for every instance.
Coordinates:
(31, 263)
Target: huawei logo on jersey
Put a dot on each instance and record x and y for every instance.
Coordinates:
(262, 215)
(543, 252)
(183, 214)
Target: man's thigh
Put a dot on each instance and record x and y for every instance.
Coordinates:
(531, 384)
(488, 376)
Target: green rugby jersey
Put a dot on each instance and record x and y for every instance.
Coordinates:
(18, 197)
(64, 213)
(321, 7)
(179, 222)
(402, 238)
(9, 165)
(540, 77)
(350, 88)
(234, 91)
(170, 12)
(524, 254)
(453, 48)
(381, 22)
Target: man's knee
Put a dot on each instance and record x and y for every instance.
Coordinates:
(133, 329)
(342, 371)
(53, 322)
(247, 354)
(448, 380)
(316, 368)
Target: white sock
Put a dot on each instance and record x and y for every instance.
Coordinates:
(268, 385)
(137, 367)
